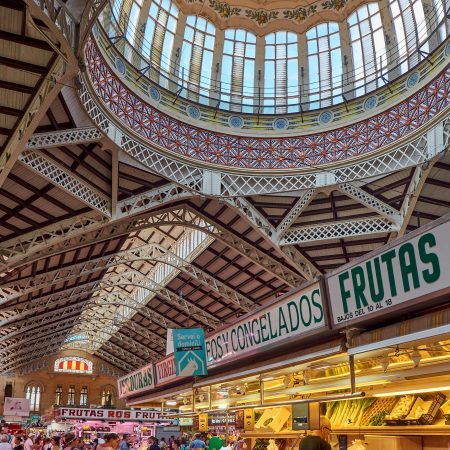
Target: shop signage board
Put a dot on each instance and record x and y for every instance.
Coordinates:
(403, 272)
(189, 351)
(299, 314)
(165, 370)
(138, 381)
(16, 407)
(150, 415)
(295, 316)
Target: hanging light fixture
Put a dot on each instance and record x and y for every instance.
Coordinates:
(416, 357)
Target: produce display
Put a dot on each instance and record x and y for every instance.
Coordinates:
(420, 407)
(273, 419)
(348, 413)
(404, 410)
(374, 415)
(401, 409)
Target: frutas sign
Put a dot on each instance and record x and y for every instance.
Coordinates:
(109, 414)
(135, 382)
(411, 269)
(294, 316)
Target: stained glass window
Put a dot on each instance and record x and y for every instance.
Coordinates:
(73, 364)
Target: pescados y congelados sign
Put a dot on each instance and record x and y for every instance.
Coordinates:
(296, 315)
(411, 269)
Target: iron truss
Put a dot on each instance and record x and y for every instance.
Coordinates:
(150, 253)
(80, 234)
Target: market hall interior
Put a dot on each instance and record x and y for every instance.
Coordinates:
(228, 218)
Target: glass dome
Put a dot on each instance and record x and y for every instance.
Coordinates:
(288, 69)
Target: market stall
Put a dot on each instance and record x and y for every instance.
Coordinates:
(91, 423)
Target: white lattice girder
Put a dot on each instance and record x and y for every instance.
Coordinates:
(32, 348)
(134, 278)
(370, 202)
(263, 226)
(23, 310)
(309, 269)
(150, 252)
(182, 215)
(155, 197)
(60, 177)
(112, 359)
(300, 205)
(31, 335)
(72, 136)
(29, 357)
(92, 330)
(124, 322)
(113, 280)
(35, 109)
(408, 152)
(412, 195)
(15, 251)
(26, 321)
(62, 24)
(121, 352)
(335, 230)
(9, 351)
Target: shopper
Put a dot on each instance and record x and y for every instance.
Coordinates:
(46, 445)
(163, 444)
(153, 443)
(197, 442)
(111, 442)
(29, 442)
(17, 443)
(215, 443)
(71, 442)
(55, 443)
(125, 442)
(176, 444)
(318, 439)
(4, 442)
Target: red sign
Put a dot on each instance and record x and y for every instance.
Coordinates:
(151, 415)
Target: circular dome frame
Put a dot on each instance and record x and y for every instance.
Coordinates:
(179, 139)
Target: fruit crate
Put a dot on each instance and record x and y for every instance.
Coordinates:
(399, 420)
(381, 404)
(429, 417)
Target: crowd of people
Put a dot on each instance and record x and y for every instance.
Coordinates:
(112, 441)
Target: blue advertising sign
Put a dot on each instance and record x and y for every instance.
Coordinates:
(189, 351)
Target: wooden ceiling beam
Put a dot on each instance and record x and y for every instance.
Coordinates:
(25, 40)
(17, 87)
(21, 65)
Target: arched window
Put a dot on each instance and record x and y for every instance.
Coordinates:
(440, 11)
(108, 396)
(410, 30)
(71, 396)
(368, 47)
(33, 393)
(324, 65)
(133, 10)
(84, 396)
(59, 395)
(281, 72)
(238, 70)
(197, 56)
(73, 364)
(159, 36)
